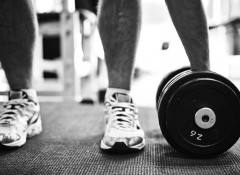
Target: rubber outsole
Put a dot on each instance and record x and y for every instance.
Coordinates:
(122, 148)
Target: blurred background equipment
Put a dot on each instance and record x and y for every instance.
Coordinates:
(68, 56)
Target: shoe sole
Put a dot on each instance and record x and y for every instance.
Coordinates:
(122, 148)
(32, 130)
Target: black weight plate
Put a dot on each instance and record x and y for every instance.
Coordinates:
(184, 129)
(187, 93)
(167, 78)
(161, 105)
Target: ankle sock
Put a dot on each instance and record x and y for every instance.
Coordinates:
(111, 91)
(31, 92)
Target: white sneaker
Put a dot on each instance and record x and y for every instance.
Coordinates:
(19, 119)
(123, 133)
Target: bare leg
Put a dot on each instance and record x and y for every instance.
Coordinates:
(189, 19)
(19, 117)
(119, 28)
(17, 36)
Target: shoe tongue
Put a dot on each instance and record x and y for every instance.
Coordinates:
(123, 98)
(16, 95)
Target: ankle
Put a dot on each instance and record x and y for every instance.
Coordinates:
(111, 91)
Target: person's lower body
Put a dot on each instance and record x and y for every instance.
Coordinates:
(119, 24)
(19, 117)
(119, 28)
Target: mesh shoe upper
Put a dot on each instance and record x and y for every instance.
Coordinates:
(17, 115)
(122, 123)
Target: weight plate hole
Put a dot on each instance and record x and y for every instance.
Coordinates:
(205, 118)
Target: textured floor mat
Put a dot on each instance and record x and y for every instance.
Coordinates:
(70, 142)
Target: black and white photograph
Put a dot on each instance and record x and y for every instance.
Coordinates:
(119, 87)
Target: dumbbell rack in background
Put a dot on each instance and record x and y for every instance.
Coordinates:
(71, 69)
(64, 80)
(64, 67)
(56, 76)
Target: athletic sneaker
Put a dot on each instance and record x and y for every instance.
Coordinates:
(123, 133)
(19, 119)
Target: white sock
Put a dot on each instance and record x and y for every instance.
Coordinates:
(111, 91)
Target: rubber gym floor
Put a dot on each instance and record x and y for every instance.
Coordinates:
(69, 144)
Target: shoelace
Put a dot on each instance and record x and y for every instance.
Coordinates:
(12, 109)
(124, 113)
